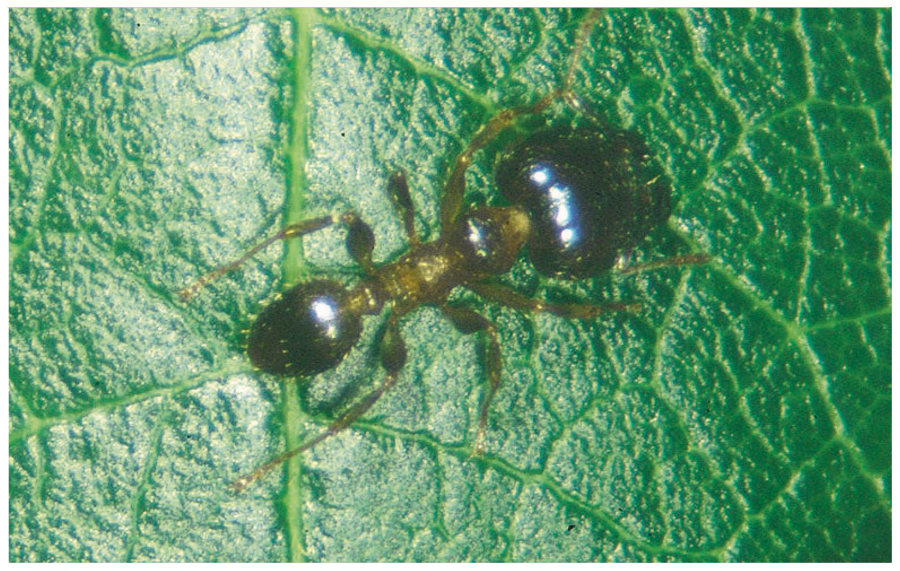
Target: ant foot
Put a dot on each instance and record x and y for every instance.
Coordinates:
(480, 447)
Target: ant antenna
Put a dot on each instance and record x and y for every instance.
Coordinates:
(290, 231)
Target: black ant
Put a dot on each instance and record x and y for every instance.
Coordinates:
(578, 201)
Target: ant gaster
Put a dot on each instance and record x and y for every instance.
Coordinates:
(579, 199)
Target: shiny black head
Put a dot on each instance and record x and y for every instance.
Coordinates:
(304, 332)
(591, 195)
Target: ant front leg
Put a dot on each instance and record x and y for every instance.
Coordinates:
(398, 188)
(393, 356)
(360, 241)
(467, 322)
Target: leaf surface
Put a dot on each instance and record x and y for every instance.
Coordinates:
(743, 415)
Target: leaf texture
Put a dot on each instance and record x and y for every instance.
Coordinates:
(743, 415)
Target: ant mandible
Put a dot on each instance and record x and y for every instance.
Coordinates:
(579, 199)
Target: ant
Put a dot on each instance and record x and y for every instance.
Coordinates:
(578, 201)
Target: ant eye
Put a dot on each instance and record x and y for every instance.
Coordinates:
(304, 332)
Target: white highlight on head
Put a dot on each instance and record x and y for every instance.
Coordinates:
(326, 315)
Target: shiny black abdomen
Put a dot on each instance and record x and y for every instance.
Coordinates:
(591, 194)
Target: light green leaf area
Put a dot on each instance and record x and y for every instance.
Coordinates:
(744, 414)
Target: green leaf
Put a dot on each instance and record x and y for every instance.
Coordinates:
(744, 415)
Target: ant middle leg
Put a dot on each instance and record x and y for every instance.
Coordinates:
(467, 321)
(392, 351)
(455, 187)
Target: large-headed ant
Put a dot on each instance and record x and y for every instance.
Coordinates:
(577, 201)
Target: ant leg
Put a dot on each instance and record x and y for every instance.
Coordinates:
(393, 357)
(583, 31)
(455, 187)
(511, 298)
(674, 261)
(360, 243)
(398, 188)
(467, 322)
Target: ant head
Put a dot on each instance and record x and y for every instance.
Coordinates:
(306, 331)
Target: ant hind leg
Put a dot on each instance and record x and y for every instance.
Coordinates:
(681, 261)
(511, 298)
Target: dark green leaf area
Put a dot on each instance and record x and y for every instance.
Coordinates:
(829, 496)
(857, 360)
